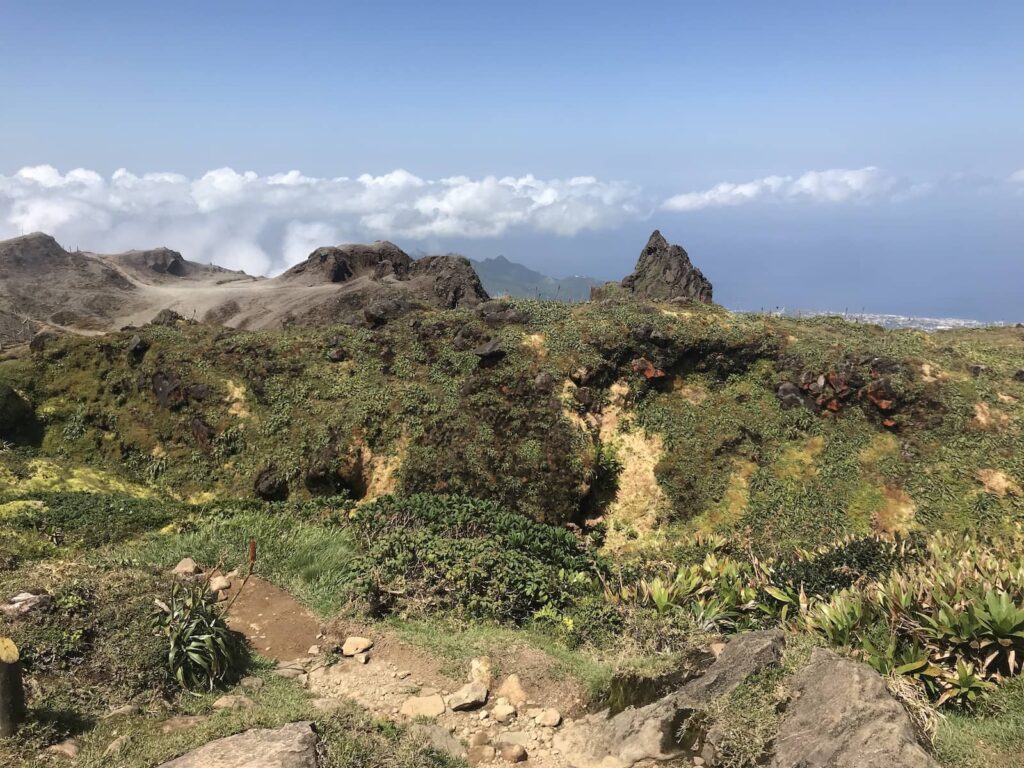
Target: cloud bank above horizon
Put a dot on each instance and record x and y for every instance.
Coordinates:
(264, 224)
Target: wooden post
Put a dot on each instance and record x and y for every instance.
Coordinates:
(12, 693)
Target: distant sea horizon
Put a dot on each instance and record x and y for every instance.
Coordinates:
(891, 321)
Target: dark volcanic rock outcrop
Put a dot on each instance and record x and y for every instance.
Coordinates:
(450, 279)
(445, 281)
(163, 261)
(664, 272)
(340, 263)
(17, 420)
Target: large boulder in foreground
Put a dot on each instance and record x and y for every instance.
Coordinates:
(642, 734)
(842, 716)
(290, 746)
(663, 273)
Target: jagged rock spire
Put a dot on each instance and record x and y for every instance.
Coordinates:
(664, 272)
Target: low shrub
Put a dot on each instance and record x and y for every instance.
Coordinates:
(464, 555)
(952, 623)
(77, 518)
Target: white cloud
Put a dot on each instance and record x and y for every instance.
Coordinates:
(832, 186)
(267, 223)
(264, 224)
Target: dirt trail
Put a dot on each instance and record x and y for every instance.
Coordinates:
(401, 682)
(275, 623)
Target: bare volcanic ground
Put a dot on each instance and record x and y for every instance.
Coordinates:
(43, 286)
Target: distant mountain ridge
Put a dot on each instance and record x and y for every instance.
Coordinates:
(503, 277)
(45, 287)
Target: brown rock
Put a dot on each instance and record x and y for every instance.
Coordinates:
(233, 701)
(469, 696)
(354, 645)
(503, 713)
(291, 746)
(67, 749)
(480, 671)
(423, 706)
(513, 753)
(512, 690)
(186, 567)
(549, 718)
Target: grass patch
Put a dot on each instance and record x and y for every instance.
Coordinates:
(991, 738)
(313, 562)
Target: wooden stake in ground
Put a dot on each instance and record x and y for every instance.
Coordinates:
(12, 694)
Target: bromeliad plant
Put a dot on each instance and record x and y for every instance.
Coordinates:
(952, 623)
(946, 614)
(201, 651)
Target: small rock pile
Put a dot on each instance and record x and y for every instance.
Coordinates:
(217, 584)
(478, 722)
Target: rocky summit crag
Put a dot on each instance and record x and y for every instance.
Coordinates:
(663, 273)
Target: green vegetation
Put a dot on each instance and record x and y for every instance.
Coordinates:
(623, 485)
(459, 555)
(201, 651)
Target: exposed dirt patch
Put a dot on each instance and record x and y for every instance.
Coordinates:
(998, 483)
(640, 503)
(236, 399)
(882, 446)
(987, 418)
(536, 343)
(930, 373)
(612, 415)
(381, 472)
(693, 394)
(896, 514)
(276, 624)
(736, 497)
(797, 462)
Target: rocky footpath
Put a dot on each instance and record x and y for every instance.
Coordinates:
(483, 720)
(837, 713)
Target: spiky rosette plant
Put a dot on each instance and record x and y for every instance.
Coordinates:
(201, 651)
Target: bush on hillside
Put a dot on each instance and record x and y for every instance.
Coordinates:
(453, 553)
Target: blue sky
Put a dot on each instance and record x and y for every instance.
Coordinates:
(648, 102)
